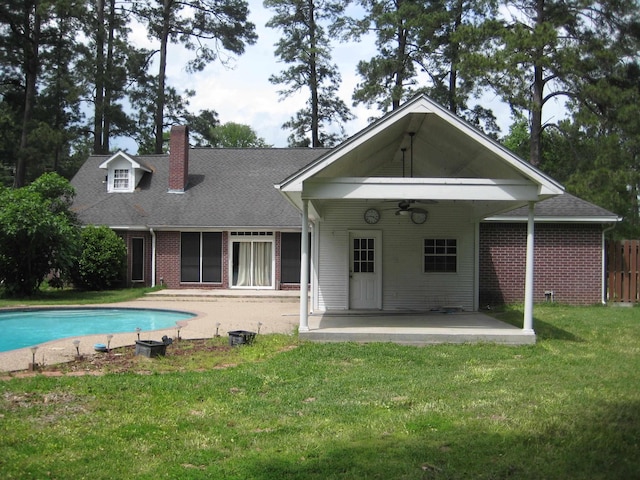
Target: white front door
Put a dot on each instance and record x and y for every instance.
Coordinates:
(365, 270)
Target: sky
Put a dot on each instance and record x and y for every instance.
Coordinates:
(243, 93)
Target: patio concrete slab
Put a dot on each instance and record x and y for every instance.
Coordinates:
(416, 328)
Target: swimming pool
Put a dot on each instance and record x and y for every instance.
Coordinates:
(24, 328)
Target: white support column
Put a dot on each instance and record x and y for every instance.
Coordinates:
(528, 286)
(304, 269)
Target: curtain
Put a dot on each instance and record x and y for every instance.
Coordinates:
(244, 265)
(262, 264)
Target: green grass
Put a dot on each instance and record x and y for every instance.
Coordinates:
(568, 407)
(50, 296)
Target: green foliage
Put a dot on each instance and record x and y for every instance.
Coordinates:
(306, 47)
(237, 135)
(103, 261)
(38, 235)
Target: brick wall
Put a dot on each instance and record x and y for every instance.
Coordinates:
(168, 259)
(568, 261)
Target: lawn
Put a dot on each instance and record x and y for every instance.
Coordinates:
(568, 407)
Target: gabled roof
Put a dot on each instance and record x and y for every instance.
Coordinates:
(135, 163)
(441, 158)
(227, 188)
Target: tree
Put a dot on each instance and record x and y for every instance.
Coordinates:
(39, 233)
(194, 24)
(237, 135)
(305, 45)
(539, 53)
(103, 259)
(419, 51)
(110, 65)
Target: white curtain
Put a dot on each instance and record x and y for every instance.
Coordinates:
(262, 264)
(254, 264)
(244, 265)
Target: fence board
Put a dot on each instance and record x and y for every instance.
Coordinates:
(623, 271)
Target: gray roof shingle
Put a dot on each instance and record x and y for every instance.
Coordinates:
(235, 188)
(227, 188)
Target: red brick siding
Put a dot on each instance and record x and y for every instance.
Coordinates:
(568, 261)
(178, 157)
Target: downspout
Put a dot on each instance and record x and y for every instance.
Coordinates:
(153, 257)
(604, 263)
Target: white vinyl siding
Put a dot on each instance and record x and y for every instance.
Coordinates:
(405, 284)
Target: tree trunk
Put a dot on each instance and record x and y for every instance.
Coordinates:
(396, 95)
(160, 100)
(313, 80)
(100, 76)
(535, 152)
(108, 90)
(30, 48)
(455, 52)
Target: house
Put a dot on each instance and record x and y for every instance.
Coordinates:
(417, 212)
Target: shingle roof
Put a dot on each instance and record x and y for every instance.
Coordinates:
(565, 207)
(235, 188)
(227, 188)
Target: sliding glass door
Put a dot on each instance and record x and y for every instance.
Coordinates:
(252, 261)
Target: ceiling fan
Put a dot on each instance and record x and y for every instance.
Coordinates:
(405, 207)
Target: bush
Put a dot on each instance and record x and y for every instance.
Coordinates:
(38, 233)
(103, 261)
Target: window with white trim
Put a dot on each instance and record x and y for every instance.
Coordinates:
(440, 255)
(120, 179)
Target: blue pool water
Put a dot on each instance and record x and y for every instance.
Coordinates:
(24, 328)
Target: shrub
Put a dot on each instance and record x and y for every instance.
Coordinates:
(102, 263)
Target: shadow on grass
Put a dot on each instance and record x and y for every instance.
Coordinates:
(544, 330)
(598, 443)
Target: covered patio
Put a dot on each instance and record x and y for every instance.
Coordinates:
(414, 328)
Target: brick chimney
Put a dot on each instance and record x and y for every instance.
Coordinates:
(178, 158)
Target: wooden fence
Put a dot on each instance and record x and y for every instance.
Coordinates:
(623, 271)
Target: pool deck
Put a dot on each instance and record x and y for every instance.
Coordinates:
(277, 314)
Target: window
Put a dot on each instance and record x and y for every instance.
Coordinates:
(440, 255)
(252, 259)
(290, 257)
(201, 257)
(137, 259)
(364, 255)
(120, 179)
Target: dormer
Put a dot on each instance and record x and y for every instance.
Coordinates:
(123, 173)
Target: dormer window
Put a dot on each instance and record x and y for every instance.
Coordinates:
(121, 179)
(124, 172)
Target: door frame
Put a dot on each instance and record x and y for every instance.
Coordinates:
(377, 235)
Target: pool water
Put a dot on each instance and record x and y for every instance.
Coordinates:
(24, 328)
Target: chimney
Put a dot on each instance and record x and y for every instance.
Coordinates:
(178, 158)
